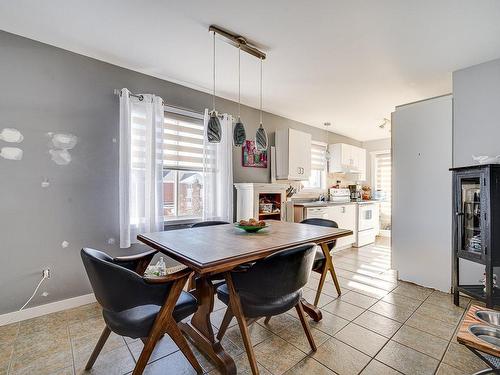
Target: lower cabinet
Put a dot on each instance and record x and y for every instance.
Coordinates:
(345, 217)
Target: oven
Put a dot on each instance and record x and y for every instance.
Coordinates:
(367, 221)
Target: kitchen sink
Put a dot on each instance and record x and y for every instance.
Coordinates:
(488, 334)
(491, 317)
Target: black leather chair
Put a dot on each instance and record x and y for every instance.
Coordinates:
(321, 264)
(216, 280)
(137, 306)
(266, 288)
(208, 223)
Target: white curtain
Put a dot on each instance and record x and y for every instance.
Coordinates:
(218, 173)
(141, 166)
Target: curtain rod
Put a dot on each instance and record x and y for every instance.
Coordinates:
(118, 92)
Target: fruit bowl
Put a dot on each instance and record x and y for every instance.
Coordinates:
(251, 228)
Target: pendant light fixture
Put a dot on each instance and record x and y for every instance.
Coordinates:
(214, 129)
(239, 134)
(261, 140)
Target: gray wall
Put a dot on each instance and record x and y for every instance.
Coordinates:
(476, 123)
(46, 89)
(476, 93)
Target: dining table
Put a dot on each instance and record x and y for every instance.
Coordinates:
(213, 250)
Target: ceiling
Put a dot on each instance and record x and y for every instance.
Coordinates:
(346, 62)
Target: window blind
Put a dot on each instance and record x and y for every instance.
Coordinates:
(318, 155)
(183, 142)
(383, 173)
(382, 180)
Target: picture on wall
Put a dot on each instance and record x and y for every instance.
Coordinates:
(251, 157)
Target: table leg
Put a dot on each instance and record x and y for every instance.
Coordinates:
(310, 309)
(329, 265)
(200, 329)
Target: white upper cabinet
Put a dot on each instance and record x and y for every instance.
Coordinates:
(346, 158)
(293, 155)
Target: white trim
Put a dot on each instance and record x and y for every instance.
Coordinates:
(34, 312)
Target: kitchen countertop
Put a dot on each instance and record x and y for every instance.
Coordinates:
(329, 203)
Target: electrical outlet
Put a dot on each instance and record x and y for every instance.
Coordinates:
(46, 273)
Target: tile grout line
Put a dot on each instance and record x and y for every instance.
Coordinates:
(390, 338)
(13, 346)
(72, 352)
(402, 323)
(352, 321)
(451, 339)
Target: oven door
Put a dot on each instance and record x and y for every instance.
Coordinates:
(366, 219)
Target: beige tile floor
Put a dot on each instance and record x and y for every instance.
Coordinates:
(378, 326)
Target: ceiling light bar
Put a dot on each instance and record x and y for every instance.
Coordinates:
(238, 41)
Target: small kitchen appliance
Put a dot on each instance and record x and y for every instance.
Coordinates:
(355, 192)
(340, 195)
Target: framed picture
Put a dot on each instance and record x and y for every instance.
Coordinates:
(251, 157)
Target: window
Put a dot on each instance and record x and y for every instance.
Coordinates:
(382, 166)
(317, 181)
(183, 165)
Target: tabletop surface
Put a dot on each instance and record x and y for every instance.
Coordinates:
(214, 248)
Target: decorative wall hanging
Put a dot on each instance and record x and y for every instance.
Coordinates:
(261, 135)
(239, 134)
(251, 157)
(214, 130)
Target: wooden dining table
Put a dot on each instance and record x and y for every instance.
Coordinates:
(213, 250)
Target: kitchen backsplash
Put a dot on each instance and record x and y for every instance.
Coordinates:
(344, 178)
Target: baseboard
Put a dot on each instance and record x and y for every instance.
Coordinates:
(33, 312)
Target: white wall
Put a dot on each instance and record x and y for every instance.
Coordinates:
(421, 204)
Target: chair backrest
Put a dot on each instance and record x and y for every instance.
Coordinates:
(278, 275)
(208, 223)
(117, 288)
(322, 223)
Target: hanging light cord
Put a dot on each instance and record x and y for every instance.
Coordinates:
(213, 96)
(261, 90)
(239, 82)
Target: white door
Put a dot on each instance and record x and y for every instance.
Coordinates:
(345, 217)
(361, 164)
(299, 154)
(346, 155)
(421, 192)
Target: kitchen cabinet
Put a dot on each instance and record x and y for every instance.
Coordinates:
(476, 208)
(346, 158)
(293, 155)
(345, 217)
